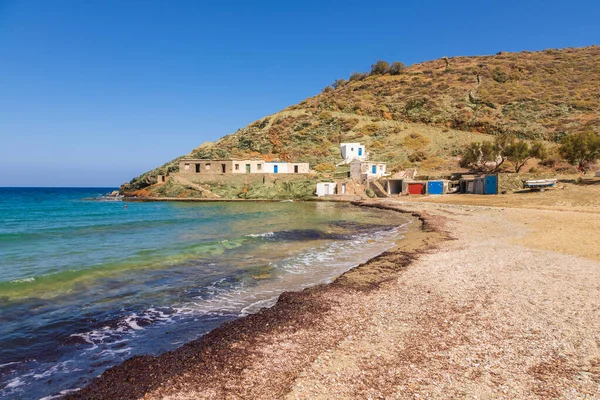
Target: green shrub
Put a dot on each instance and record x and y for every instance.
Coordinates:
(325, 167)
(397, 68)
(325, 116)
(415, 141)
(348, 123)
(358, 76)
(482, 156)
(415, 104)
(500, 76)
(377, 145)
(418, 156)
(581, 149)
(518, 152)
(369, 129)
(339, 83)
(539, 150)
(380, 67)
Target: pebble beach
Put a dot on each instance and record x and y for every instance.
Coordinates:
(476, 302)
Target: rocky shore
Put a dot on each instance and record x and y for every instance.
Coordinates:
(474, 303)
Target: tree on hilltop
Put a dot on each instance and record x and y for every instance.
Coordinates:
(338, 83)
(397, 68)
(358, 76)
(380, 67)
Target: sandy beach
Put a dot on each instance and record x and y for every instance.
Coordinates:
(479, 302)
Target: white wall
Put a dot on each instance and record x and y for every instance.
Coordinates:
(350, 151)
(242, 166)
(303, 168)
(380, 169)
(285, 168)
(282, 167)
(325, 188)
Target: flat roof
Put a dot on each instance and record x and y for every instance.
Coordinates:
(222, 159)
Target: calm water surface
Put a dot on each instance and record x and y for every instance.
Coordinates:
(85, 284)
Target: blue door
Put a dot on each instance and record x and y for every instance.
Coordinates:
(275, 168)
(360, 151)
(435, 187)
(374, 169)
(491, 184)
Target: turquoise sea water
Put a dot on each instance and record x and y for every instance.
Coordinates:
(87, 284)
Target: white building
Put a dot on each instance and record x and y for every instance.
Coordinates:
(367, 169)
(286, 168)
(276, 168)
(353, 151)
(326, 188)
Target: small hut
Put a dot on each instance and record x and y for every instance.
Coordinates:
(417, 187)
(395, 186)
(480, 184)
(326, 188)
(437, 186)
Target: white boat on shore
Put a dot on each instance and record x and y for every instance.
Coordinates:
(539, 184)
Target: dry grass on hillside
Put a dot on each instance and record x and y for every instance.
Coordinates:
(423, 117)
(532, 94)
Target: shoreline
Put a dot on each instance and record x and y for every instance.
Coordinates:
(217, 354)
(478, 302)
(341, 199)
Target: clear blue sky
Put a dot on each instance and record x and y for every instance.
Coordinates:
(95, 92)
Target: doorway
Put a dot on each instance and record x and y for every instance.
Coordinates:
(223, 168)
(275, 169)
(295, 169)
(247, 168)
(394, 186)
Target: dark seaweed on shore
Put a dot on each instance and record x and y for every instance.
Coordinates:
(212, 360)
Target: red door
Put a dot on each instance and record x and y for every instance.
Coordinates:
(416, 188)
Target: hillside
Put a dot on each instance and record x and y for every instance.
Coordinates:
(424, 115)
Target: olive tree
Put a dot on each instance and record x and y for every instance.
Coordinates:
(397, 68)
(358, 76)
(518, 152)
(380, 67)
(338, 83)
(482, 156)
(581, 148)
